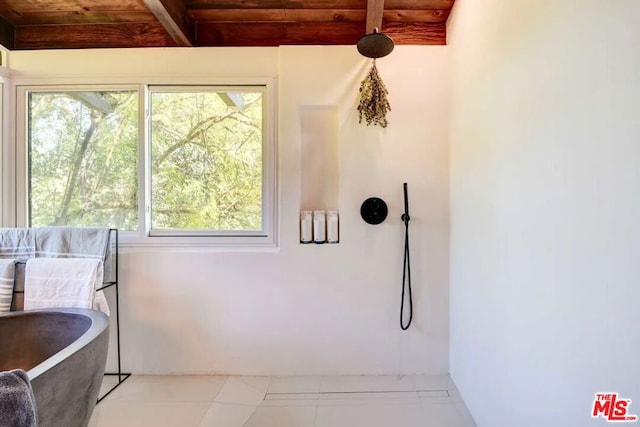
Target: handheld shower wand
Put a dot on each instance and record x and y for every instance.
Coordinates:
(406, 269)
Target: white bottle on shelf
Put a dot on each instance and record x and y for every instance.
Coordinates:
(333, 227)
(319, 227)
(306, 227)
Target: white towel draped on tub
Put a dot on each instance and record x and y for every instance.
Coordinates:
(63, 282)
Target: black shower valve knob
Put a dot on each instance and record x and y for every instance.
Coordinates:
(374, 210)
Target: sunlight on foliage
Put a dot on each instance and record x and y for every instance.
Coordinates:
(83, 159)
(206, 163)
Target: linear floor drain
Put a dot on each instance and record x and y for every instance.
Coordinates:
(345, 395)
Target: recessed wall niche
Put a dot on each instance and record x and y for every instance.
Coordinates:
(319, 151)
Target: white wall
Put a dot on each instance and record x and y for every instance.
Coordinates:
(545, 208)
(301, 309)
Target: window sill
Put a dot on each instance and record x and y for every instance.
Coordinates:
(200, 243)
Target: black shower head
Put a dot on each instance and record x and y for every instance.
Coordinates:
(375, 45)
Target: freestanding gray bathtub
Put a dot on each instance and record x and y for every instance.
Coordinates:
(64, 352)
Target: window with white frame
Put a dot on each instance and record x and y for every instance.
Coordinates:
(172, 162)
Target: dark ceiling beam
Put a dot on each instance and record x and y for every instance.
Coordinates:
(174, 17)
(87, 17)
(375, 8)
(13, 8)
(312, 33)
(278, 33)
(316, 4)
(7, 34)
(220, 34)
(434, 16)
(271, 15)
(315, 15)
(150, 34)
(419, 4)
(416, 33)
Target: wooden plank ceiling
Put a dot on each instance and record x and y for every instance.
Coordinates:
(72, 24)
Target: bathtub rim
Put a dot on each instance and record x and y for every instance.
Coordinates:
(99, 322)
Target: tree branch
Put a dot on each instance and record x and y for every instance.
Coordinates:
(75, 169)
(199, 128)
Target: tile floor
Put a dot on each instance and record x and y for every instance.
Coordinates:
(317, 401)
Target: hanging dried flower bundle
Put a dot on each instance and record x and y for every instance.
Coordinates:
(374, 104)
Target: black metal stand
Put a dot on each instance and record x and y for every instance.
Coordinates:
(122, 376)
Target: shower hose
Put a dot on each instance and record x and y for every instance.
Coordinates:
(406, 269)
